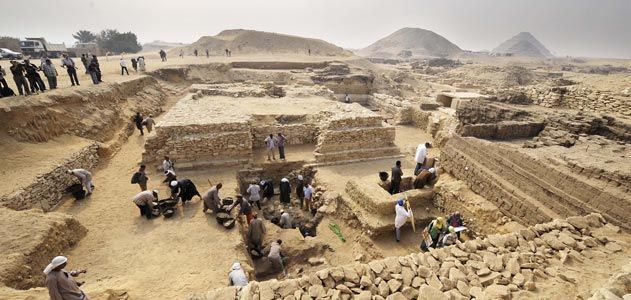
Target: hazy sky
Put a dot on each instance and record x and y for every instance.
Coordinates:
(598, 28)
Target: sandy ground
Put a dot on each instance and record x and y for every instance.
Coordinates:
(22, 162)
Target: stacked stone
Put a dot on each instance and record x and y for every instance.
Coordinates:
(575, 97)
(48, 188)
(297, 134)
(489, 268)
(350, 132)
(230, 140)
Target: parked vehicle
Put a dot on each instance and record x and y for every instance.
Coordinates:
(38, 47)
(9, 54)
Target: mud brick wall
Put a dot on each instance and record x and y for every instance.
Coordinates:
(488, 268)
(503, 130)
(49, 188)
(297, 134)
(483, 182)
(508, 178)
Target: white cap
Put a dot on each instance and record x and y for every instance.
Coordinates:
(299, 177)
(173, 183)
(432, 170)
(56, 262)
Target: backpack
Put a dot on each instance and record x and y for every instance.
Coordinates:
(135, 178)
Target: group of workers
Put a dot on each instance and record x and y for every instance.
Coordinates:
(424, 171)
(438, 233)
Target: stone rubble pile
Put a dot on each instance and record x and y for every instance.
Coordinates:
(489, 268)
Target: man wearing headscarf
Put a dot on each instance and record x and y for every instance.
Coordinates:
(211, 199)
(237, 276)
(436, 228)
(300, 193)
(285, 190)
(401, 217)
(424, 177)
(184, 189)
(256, 233)
(85, 177)
(144, 201)
(60, 283)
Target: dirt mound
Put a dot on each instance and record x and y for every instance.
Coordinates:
(241, 41)
(411, 42)
(32, 239)
(523, 44)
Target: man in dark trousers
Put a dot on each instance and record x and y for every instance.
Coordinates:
(138, 121)
(395, 183)
(84, 61)
(17, 69)
(95, 61)
(37, 84)
(68, 63)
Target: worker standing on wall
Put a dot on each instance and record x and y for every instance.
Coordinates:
(395, 183)
(281, 145)
(421, 155)
(271, 142)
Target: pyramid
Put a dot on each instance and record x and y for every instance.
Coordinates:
(523, 44)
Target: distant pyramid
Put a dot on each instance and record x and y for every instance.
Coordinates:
(523, 44)
(416, 42)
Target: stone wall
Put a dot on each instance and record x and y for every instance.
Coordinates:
(528, 189)
(230, 140)
(574, 97)
(489, 268)
(297, 134)
(47, 189)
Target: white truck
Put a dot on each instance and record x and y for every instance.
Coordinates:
(38, 47)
